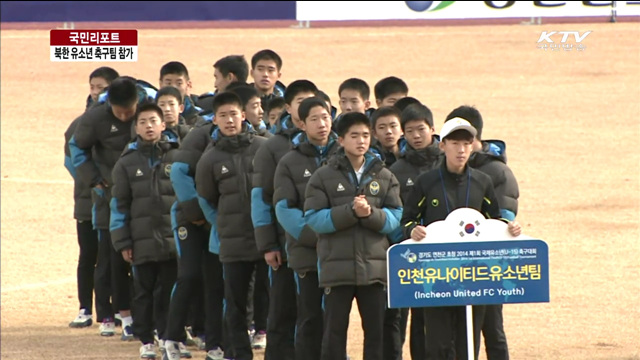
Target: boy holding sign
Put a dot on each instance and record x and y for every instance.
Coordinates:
(437, 193)
(490, 158)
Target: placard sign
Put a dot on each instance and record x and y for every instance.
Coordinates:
(467, 260)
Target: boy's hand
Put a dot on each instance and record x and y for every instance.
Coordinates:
(273, 259)
(361, 206)
(127, 255)
(418, 233)
(101, 185)
(514, 228)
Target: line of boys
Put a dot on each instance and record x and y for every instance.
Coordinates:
(115, 108)
(385, 123)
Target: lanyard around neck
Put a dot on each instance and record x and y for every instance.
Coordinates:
(444, 189)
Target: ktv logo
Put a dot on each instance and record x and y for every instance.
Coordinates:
(546, 36)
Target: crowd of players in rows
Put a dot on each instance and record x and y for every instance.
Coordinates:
(216, 209)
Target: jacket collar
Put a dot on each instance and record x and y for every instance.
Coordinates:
(449, 176)
(235, 143)
(285, 126)
(422, 156)
(371, 162)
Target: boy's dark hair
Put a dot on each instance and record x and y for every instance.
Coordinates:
(402, 104)
(266, 55)
(245, 93)
(148, 106)
(350, 119)
(171, 91)
(322, 95)
(384, 111)
(276, 102)
(356, 84)
(390, 85)
(309, 103)
(174, 67)
(235, 64)
(123, 91)
(459, 135)
(226, 98)
(297, 87)
(469, 113)
(416, 112)
(105, 72)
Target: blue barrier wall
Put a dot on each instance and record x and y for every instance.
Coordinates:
(94, 11)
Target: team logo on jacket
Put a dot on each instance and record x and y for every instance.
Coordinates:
(114, 128)
(224, 170)
(182, 233)
(167, 170)
(139, 172)
(374, 188)
(307, 173)
(409, 182)
(435, 202)
(340, 187)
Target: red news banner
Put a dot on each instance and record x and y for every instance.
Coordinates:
(94, 45)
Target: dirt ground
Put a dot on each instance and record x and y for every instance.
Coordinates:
(570, 120)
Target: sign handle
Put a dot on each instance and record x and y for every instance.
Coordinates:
(470, 344)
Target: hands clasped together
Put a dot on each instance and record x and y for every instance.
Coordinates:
(361, 206)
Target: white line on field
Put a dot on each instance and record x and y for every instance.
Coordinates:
(23, 287)
(37, 181)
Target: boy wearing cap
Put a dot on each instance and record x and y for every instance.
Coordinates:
(454, 184)
(490, 157)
